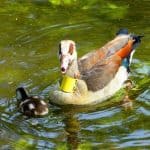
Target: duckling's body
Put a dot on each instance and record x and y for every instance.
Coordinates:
(100, 74)
(31, 105)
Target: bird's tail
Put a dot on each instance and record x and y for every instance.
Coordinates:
(133, 42)
(128, 50)
(137, 40)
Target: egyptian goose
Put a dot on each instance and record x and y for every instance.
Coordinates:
(99, 74)
(30, 105)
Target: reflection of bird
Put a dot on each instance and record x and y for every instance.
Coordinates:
(72, 127)
(30, 105)
(127, 103)
(100, 74)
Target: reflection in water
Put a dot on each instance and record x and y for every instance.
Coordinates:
(72, 128)
(71, 124)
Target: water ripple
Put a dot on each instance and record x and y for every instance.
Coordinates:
(138, 134)
(99, 114)
(135, 143)
(144, 111)
(145, 97)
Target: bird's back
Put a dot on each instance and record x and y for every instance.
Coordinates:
(99, 67)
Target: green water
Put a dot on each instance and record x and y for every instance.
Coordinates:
(29, 35)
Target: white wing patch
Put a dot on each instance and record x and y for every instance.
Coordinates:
(42, 102)
(31, 106)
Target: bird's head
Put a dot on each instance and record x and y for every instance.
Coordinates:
(21, 94)
(67, 54)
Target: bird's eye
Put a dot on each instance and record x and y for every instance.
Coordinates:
(71, 49)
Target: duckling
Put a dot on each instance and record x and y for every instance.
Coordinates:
(30, 105)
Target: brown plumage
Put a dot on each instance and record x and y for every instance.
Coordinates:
(102, 73)
(30, 105)
(92, 58)
(98, 68)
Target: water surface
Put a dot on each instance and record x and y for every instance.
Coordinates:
(29, 35)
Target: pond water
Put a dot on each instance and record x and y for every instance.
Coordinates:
(29, 35)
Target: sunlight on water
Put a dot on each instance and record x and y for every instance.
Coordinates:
(29, 36)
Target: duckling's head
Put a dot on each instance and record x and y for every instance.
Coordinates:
(67, 53)
(30, 105)
(21, 94)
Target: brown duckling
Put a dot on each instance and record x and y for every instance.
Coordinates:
(30, 105)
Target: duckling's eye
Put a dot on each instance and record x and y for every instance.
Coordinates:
(71, 49)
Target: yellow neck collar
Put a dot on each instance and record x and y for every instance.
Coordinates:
(68, 84)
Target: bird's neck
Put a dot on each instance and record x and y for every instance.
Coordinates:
(73, 70)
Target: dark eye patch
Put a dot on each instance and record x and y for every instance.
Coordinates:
(60, 49)
(71, 48)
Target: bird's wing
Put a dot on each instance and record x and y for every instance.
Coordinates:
(90, 59)
(101, 73)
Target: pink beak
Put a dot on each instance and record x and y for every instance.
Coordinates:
(64, 64)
